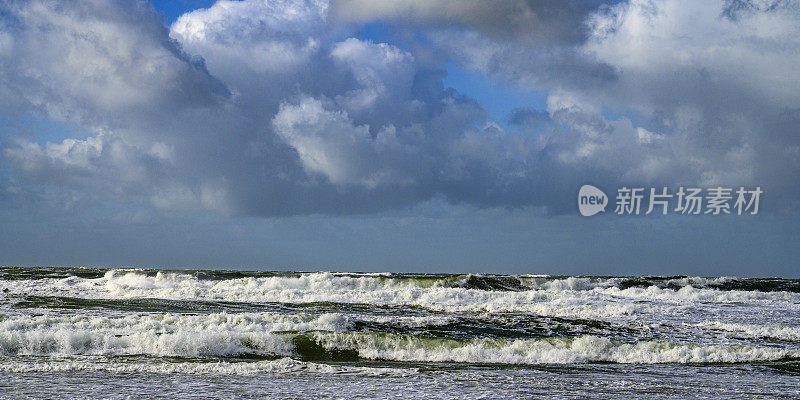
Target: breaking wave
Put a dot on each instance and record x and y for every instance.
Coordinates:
(577, 297)
(236, 322)
(328, 338)
(281, 365)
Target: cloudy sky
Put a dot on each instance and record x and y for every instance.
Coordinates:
(398, 135)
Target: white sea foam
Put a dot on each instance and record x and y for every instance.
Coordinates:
(160, 335)
(219, 334)
(691, 293)
(279, 366)
(319, 287)
(573, 297)
(541, 351)
(225, 335)
(781, 332)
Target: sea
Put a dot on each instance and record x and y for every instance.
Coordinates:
(189, 334)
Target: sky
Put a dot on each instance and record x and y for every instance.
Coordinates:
(402, 135)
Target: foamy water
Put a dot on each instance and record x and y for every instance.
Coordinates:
(397, 327)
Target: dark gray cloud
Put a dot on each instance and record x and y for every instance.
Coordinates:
(539, 21)
(98, 63)
(313, 124)
(272, 109)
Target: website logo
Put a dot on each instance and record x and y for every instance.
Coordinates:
(591, 200)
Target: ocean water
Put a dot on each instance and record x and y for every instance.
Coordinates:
(133, 333)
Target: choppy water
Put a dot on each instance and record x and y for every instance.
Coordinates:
(147, 333)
